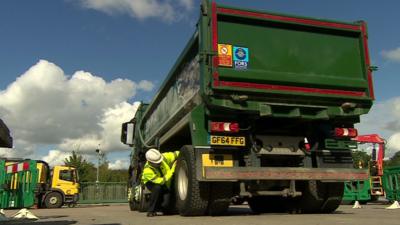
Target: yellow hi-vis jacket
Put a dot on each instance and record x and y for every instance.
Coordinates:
(163, 174)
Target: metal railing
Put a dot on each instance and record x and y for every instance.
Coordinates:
(103, 192)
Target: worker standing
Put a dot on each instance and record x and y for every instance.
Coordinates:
(157, 176)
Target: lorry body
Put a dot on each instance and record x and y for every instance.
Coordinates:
(261, 105)
(5, 137)
(55, 187)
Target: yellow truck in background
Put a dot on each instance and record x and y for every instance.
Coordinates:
(56, 187)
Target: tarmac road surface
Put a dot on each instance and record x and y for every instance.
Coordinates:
(119, 214)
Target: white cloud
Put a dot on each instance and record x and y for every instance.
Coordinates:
(142, 9)
(394, 141)
(384, 119)
(7, 153)
(392, 55)
(119, 165)
(56, 157)
(46, 107)
(146, 85)
(108, 138)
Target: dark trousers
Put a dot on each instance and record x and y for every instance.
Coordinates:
(159, 198)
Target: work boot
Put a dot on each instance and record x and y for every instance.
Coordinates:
(151, 214)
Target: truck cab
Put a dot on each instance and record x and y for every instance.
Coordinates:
(55, 187)
(62, 187)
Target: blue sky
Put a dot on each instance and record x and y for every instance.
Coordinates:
(111, 42)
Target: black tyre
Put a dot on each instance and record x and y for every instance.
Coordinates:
(333, 197)
(143, 201)
(256, 204)
(318, 197)
(220, 198)
(133, 205)
(53, 200)
(267, 204)
(191, 195)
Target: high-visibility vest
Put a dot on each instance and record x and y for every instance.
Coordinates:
(157, 175)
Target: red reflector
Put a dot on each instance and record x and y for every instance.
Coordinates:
(224, 127)
(26, 166)
(217, 126)
(234, 127)
(346, 132)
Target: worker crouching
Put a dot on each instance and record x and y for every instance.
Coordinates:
(157, 175)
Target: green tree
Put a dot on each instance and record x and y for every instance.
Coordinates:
(360, 158)
(108, 175)
(394, 160)
(86, 170)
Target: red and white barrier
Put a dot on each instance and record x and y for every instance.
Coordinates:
(18, 167)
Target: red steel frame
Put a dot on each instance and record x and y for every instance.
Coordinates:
(302, 21)
(375, 139)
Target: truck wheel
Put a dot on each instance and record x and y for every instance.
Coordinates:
(256, 204)
(333, 197)
(319, 197)
(142, 201)
(191, 195)
(131, 201)
(311, 199)
(267, 204)
(220, 198)
(53, 200)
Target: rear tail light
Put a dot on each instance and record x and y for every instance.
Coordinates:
(346, 132)
(224, 127)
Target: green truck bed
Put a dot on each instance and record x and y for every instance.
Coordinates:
(269, 64)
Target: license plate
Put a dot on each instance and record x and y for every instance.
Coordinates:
(217, 160)
(226, 140)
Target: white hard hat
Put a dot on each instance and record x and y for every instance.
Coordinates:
(154, 156)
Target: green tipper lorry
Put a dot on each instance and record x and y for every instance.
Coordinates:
(262, 106)
(5, 137)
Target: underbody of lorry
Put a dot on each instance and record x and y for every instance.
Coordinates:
(262, 106)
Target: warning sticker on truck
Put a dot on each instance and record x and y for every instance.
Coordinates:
(241, 57)
(225, 55)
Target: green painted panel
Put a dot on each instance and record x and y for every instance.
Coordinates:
(391, 183)
(17, 189)
(357, 191)
(286, 54)
(198, 126)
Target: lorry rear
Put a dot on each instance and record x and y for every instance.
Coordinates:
(262, 106)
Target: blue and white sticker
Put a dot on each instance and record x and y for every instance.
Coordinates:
(241, 54)
(241, 65)
(241, 57)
